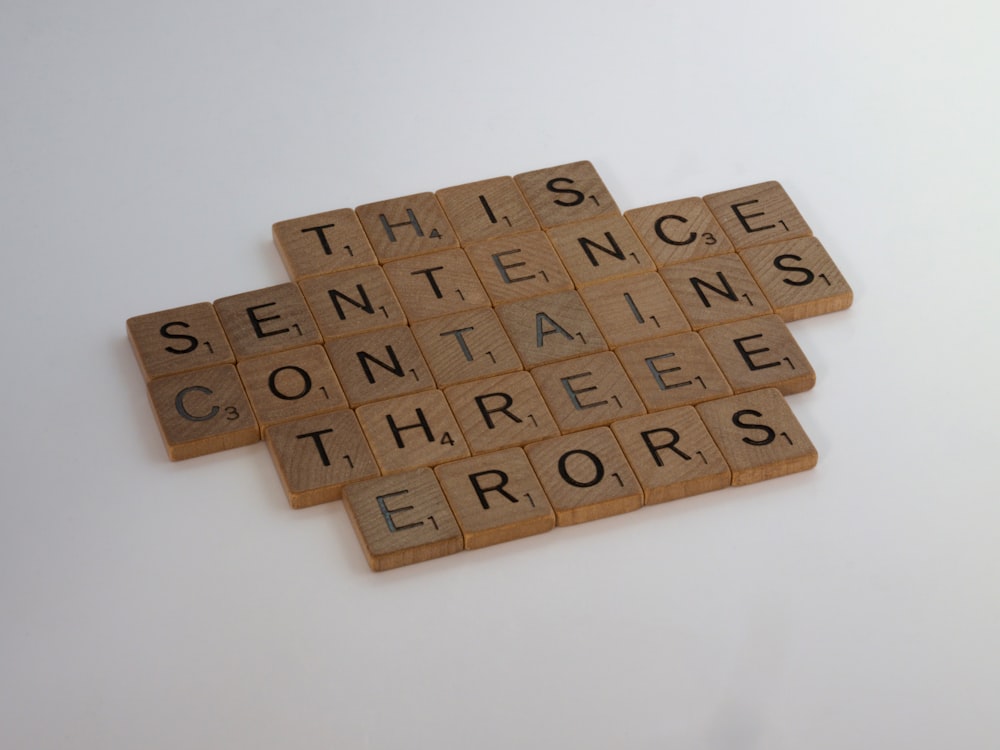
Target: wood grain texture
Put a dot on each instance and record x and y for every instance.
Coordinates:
(565, 193)
(679, 231)
(410, 225)
(759, 435)
(202, 412)
(267, 320)
(673, 371)
(435, 284)
(317, 456)
(759, 353)
(585, 476)
(673, 454)
(501, 412)
(487, 209)
(178, 340)
(402, 519)
(515, 268)
(799, 278)
(757, 214)
(634, 308)
(291, 384)
(599, 249)
(465, 346)
(496, 497)
(322, 243)
(551, 327)
(353, 301)
(715, 290)
(379, 364)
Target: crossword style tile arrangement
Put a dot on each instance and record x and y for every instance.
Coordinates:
(479, 364)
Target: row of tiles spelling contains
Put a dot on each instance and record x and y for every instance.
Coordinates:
(469, 503)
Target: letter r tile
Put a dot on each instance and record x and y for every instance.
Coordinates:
(402, 519)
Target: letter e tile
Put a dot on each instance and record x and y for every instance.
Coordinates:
(496, 497)
(757, 214)
(759, 435)
(402, 519)
(267, 320)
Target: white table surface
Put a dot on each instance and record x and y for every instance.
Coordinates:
(145, 151)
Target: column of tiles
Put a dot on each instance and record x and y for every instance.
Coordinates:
(478, 364)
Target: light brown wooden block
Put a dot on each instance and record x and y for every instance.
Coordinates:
(436, 284)
(352, 301)
(495, 497)
(202, 412)
(465, 346)
(673, 371)
(566, 193)
(178, 340)
(587, 391)
(759, 353)
(799, 278)
(600, 249)
(673, 454)
(486, 209)
(514, 268)
(501, 412)
(634, 308)
(759, 435)
(379, 364)
(317, 456)
(322, 243)
(715, 290)
(585, 476)
(291, 384)
(411, 225)
(267, 320)
(679, 231)
(551, 327)
(757, 214)
(412, 431)
(402, 519)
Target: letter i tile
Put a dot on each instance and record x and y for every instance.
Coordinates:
(496, 497)
(402, 519)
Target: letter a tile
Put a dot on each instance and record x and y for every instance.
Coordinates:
(402, 519)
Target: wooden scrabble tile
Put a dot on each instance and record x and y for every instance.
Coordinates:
(757, 214)
(317, 456)
(673, 454)
(634, 308)
(402, 519)
(436, 284)
(410, 431)
(379, 364)
(599, 249)
(759, 353)
(486, 209)
(178, 340)
(495, 497)
(352, 301)
(514, 268)
(587, 391)
(672, 371)
(799, 278)
(203, 411)
(715, 290)
(411, 225)
(759, 435)
(267, 320)
(585, 476)
(679, 231)
(501, 412)
(567, 193)
(322, 243)
(551, 327)
(291, 384)
(465, 346)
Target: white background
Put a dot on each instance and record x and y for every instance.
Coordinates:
(145, 151)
